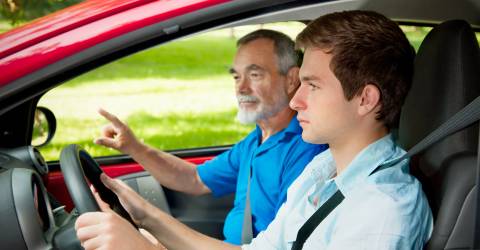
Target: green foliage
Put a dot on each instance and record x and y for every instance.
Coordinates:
(15, 11)
(415, 34)
(10, 10)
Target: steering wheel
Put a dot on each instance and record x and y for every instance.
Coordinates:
(77, 166)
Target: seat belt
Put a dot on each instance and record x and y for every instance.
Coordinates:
(307, 229)
(462, 119)
(247, 229)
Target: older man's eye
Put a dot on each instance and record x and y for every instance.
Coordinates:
(255, 75)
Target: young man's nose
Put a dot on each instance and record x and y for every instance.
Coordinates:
(298, 100)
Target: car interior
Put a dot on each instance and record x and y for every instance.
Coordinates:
(35, 200)
(447, 170)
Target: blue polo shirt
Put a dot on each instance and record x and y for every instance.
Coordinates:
(275, 164)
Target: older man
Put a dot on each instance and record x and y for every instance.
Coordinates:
(265, 70)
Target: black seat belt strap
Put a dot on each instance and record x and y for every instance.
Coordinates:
(312, 222)
(462, 119)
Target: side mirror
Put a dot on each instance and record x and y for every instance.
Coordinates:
(44, 127)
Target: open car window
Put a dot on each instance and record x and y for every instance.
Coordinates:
(177, 95)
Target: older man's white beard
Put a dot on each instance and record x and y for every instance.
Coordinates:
(263, 112)
(247, 117)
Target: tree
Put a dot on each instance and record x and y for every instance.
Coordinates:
(10, 10)
(15, 11)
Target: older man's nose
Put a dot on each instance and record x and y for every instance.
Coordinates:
(243, 86)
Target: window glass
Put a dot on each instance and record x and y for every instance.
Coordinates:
(174, 96)
(415, 34)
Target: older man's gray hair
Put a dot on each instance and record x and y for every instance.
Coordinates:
(284, 46)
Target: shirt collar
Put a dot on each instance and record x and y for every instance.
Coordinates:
(365, 162)
(323, 167)
(293, 128)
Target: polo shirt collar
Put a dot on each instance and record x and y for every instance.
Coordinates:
(293, 128)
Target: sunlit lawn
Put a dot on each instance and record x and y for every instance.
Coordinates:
(172, 131)
(190, 59)
(167, 114)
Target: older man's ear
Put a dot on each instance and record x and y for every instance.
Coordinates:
(293, 81)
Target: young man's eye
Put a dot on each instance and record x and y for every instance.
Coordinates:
(313, 86)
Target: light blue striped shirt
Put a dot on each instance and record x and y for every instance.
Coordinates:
(385, 210)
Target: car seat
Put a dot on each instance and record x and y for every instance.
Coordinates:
(446, 78)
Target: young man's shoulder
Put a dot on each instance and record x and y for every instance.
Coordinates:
(394, 207)
(392, 186)
(394, 198)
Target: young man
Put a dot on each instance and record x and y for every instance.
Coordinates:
(265, 70)
(355, 75)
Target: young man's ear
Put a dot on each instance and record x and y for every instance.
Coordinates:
(293, 80)
(369, 99)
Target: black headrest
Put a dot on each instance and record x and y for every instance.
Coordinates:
(446, 78)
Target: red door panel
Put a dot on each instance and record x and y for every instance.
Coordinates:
(56, 184)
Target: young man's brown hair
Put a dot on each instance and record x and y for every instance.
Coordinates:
(367, 48)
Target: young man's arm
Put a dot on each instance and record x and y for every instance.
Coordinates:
(175, 235)
(168, 169)
(109, 231)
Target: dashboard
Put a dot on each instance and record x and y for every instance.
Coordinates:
(26, 214)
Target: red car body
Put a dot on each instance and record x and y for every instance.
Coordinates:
(54, 37)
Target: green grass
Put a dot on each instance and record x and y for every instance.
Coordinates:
(203, 56)
(155, 96)
(4, 26)
(173, 131)
(186, 59)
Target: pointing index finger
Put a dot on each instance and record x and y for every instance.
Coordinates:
(112, 118)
